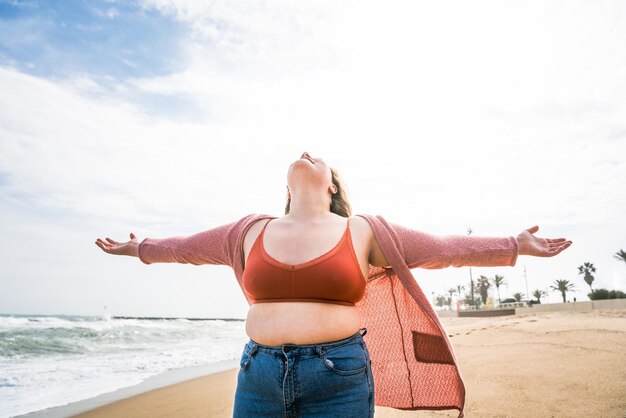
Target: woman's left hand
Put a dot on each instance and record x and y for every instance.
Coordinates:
(540, 247)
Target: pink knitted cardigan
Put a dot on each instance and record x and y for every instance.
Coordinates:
(413, 362)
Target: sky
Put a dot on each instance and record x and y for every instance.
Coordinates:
(167, 118)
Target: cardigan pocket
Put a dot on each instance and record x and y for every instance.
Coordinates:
(430, 348)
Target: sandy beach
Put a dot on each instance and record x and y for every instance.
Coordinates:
(556, 364)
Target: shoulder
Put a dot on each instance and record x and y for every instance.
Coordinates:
(256, 222)
(254, 219)
(360, 223)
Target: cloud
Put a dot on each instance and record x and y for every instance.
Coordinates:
(84, 155)
(545, 145)
(491, 115)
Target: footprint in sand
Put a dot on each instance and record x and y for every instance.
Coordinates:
(531, 320)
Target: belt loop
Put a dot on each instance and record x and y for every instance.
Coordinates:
(319, 350)
(253, 349)
(364, 331)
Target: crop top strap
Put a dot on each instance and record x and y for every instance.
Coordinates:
(263, 230)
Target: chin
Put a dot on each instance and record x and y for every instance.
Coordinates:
(301, 161)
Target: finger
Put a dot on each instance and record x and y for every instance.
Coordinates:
(555, 239)
(533, 229)
(559, 250)
(111, 241)
(559, 244)
(132, 236)
(556, 250)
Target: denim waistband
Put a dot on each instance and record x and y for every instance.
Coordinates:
(305, 348)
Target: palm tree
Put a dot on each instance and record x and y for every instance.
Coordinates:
(563, 286)
(498, 280)
(587, 269)
(539, 294)
(451, 292)
(518, 296)
(620, 255)
(459, 289)
(467, 298)
(483, 285)
(442, 300)
(476, 294)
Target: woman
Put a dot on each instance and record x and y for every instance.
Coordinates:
(308, 357)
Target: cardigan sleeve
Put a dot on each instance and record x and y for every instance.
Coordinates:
(207, 247)
(440, 251)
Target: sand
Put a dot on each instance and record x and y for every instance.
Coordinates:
(556, 364)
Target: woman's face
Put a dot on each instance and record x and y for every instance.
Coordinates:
(308, 171)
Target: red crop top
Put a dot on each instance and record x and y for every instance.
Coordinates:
(333, 277)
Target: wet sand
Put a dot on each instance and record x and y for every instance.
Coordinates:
(553, 364)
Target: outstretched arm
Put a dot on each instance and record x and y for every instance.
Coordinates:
(207, 247)
(440, 251)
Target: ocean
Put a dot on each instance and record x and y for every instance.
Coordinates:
(52, 360)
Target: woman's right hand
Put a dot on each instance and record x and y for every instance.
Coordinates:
(120, 248)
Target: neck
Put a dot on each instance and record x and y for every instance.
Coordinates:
(309, 208)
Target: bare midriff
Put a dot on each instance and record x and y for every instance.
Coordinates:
(307, 322)
(277, 323)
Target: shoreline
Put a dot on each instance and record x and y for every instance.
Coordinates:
(163, 379)
(539, 364)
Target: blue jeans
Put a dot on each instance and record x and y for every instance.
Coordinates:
(330, 379)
